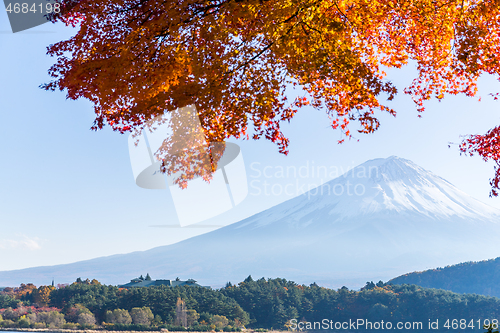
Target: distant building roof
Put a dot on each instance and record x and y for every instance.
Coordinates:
(169, 283)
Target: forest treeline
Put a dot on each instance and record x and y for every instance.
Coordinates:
(263, 303)
(474, 277)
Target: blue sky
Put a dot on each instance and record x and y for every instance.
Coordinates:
(68, 193)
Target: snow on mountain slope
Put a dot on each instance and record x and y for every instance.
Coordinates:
(383, 218)
(389, 186)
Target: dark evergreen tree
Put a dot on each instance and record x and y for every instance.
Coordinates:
(368, 286)
(248, 279)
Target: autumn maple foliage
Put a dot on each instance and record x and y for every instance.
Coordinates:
(235, 59)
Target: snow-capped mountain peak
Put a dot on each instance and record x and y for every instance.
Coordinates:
(399, 185)
(383, 186)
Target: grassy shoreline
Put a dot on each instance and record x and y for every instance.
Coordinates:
(67, 330)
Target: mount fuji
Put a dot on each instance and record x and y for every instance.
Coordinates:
(383, 218)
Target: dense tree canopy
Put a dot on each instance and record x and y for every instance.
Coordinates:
(235, 59)
(262, 303)
(467, 277)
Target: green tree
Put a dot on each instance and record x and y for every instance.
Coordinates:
(191, 317)
(7, 301)
(142, 316)
(53, 319)
(86, 320)
(369, 285)
(23, 323)
(73, 313)
(118, 316)
(7, 323)
(219, 321)
(157, 321)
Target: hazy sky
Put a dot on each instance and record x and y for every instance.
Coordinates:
(68, 193)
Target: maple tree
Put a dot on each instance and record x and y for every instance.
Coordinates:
(41, 296)
(235, 59)
(24, 290)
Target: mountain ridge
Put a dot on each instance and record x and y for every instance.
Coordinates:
(472, 277)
